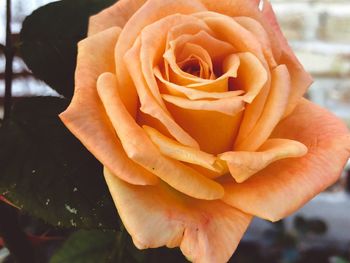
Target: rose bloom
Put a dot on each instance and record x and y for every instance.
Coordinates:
(195, 109)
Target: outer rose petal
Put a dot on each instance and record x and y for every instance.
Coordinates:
(286, 185)
(140, 148)
(90, 124)
(233, 7)
(242, 165)
(116, 15)
(206, 231)
(301, 80)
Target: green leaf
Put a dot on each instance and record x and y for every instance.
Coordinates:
(110, 247)
(46, 171)
(49, 38)
(87, 247)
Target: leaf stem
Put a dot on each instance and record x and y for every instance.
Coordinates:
(9, 53)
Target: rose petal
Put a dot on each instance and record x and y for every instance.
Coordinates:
(219, 85)
(197, 55)
(140, 148)
(230, 66)
(214, 131)
(258, 89)
(228, 30)
(115, 15)
(243, 165)
(150, 12)
(191, 93)
(286, 185)
(148, 103)
(174, 150)
(205, 231)
(230, 106)
(251, 76)
(273, 111)
(153, 44)
(253, 111)
(270, 44)
(217, 50)
(184, 29)
(233, 8)
(90, 124)
(301, 80)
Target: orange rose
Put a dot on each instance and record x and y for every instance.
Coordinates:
(195, 109)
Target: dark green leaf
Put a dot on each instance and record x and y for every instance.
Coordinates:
(46, 171)
(110, 247)
(49, 40)
(87, 247)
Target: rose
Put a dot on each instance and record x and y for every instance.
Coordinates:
(195, 110)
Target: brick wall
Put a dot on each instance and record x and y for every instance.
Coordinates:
(319, 32)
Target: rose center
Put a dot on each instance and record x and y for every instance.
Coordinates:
(193, 66)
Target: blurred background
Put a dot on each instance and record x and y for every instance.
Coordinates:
(319, 33)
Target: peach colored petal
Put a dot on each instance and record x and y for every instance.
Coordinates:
(301, 80)
(270, 45)
(115, 15)
(90, 124)
(149, 104)
(257, 85)
(228, 30)
(217, 50)
(191, 93)
(286, 185)
(175, 74)
(273, 111)
(251, 76)
(230, 67)
(184, 29)
(253, 111)
(243, 165)
(174, 150)
(214, 131)
(198, 55)
(153, 44)
(150, 12)
(230, 106)
(205, 231)
(234, 8)
(140, 148)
